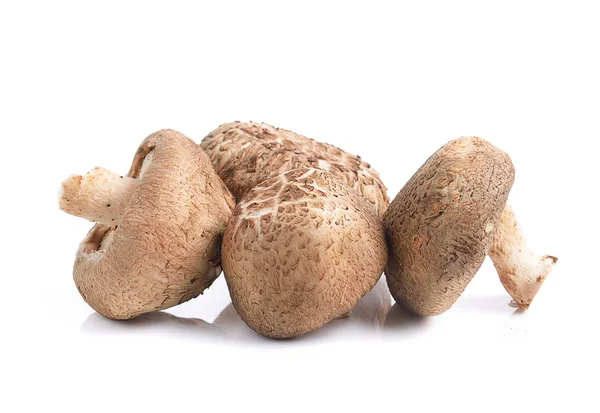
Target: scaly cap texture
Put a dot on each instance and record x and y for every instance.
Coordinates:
(301, 249)
(245, 154)
(440, 225)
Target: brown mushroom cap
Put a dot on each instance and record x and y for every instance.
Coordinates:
(440, 225)
(245, 154)
(165, 249)
(300, 250)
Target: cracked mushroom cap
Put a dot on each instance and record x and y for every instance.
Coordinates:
(245, 154)
(165, 248)
(301, 249)
(440, 226)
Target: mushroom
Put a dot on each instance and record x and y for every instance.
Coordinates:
(444, 222)
(245, 154)
(300, 250)
(158, 232)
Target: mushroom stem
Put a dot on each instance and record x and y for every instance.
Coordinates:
(521, 272)
(98, 196)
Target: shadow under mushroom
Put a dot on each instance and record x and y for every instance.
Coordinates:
(400, 320)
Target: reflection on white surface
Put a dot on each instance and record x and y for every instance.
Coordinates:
(160, 323)
(480, 315)
(230, 321)
(498, 303)
(400, 321)
(372, 318)
(519, 312)
(373, 308)
(367, 318)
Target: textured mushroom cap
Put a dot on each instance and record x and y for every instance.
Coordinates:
(245, 154)
(301, 249)
(166, 248)
(440, 225)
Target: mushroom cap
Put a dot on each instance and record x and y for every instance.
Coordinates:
(245, 154)
(165, 250)
(440, 225)
(300, 250)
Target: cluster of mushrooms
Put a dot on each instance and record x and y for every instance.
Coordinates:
(301, 229)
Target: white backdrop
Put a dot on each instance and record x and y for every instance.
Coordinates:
(82, 84)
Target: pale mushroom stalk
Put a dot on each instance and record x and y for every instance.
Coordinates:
(98, 196)
(521, 271)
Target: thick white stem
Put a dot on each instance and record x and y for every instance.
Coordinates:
(98, 196)
(521, 271)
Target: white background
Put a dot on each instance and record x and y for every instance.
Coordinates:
(82, 84)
